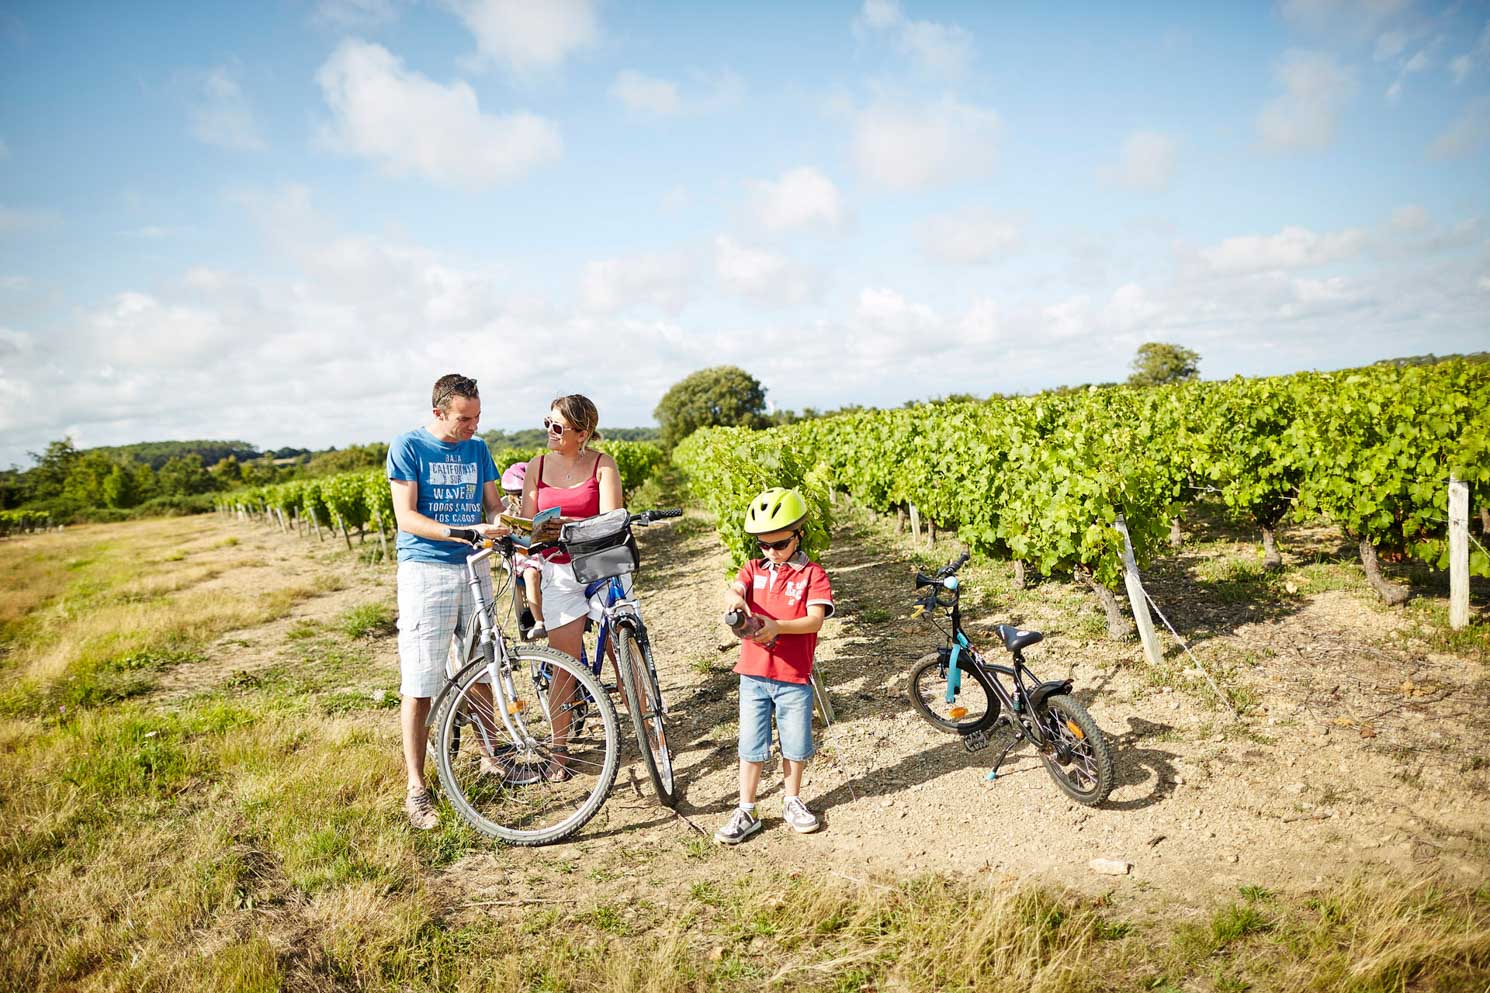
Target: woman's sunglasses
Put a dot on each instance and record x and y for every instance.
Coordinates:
(776, 546)
(554, 427)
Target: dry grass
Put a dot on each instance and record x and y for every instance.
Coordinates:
(247, 838)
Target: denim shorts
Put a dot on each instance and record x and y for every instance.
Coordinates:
(792, 705)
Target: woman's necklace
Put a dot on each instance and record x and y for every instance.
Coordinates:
(569, 473)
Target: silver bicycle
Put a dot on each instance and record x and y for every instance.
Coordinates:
(513, 760)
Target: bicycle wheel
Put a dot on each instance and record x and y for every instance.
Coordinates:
(644, 701)
(1082, 763)
(974, 706)
(822, 704)
(508, 776)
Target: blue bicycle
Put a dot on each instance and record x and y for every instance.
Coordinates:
(603, 551)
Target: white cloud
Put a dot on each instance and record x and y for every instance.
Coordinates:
(763, 277)
(904, 147)
(945, 49)
(886, 310)
(222, 115)
(1303, 118)
(1131, 308)
(652, 97)
(1291, 248)
(657, 280)
(971, 236)
(17, 219)
(347, 15)
(413, 125)
(1466, 134)
(1349, 16)
(802, 197)
(528, 37)
(1462, 65)
(645, 95)
(1146, 163)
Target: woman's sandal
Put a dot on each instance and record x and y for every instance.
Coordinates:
(557, 770)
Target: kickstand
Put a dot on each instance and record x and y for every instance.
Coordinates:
(994, 772)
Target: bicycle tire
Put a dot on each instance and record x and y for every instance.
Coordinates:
(1086, 775)
(822, 704)
(928, 695)
(509, 789)
(644, 701)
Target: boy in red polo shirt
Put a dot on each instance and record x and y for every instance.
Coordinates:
(791, 596)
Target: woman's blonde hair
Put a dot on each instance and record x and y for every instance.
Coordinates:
(579, 411)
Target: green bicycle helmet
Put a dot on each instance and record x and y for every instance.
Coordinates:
(777, 509)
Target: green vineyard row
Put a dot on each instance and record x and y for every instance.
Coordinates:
(1042, 479)
(362, 501)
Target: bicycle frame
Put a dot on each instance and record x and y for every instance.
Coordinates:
(617, 608)
(1015, 704)
(492, 643)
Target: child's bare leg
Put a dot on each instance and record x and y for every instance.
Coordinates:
(750, 780)
(533, 583)
(792, 782)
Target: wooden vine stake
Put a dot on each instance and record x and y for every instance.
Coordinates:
(382, 538)
(915, 521)
(1458, 553)
(1136, 598)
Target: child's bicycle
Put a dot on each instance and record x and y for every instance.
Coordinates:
(611, 555)
(1070, 743)
(505, 765)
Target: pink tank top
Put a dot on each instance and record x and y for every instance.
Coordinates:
(573, 501)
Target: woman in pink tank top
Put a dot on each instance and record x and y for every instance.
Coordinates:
(581, 483)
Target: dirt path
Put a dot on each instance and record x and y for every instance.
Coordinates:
(1292, 797)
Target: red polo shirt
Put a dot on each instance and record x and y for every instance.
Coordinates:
(782, 593)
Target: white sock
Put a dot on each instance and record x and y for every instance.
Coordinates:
(749, 808)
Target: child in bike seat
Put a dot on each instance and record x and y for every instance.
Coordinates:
(528, 568)
(791, 596)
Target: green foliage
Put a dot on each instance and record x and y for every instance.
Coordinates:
(726, 467)
(637, 461)
(1158, 363)
(723, 395)
(1380, 444)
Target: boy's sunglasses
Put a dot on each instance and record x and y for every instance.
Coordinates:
(554, 427)
(776, 546)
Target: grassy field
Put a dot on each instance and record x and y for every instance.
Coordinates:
(177, 815)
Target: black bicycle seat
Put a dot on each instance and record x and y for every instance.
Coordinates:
(1015, 639)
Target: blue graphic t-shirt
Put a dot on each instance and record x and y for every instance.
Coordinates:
(451, 476)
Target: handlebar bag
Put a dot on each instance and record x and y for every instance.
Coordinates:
(601, 546)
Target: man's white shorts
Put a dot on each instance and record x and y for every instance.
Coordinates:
(434, 603)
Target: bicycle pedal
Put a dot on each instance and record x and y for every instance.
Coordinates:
(975, 742)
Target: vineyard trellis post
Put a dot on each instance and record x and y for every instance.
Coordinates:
(1136, 599)
(1458, 553)
(382, 536)
(915, 521)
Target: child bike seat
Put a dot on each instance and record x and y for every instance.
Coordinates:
(1015, 639)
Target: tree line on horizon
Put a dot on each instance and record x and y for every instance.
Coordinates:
(176, 477)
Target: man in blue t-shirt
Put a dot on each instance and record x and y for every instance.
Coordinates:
(442, 477)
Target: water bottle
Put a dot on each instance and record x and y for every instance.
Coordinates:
(741, 624)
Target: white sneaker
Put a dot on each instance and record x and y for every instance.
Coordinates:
(798, 817)
(740, 826)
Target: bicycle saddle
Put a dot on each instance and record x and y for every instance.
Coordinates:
(1015, 639)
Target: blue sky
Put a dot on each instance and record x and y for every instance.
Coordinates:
(281, 222)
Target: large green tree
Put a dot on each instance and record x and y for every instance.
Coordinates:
(724, 395)
(1158, 363)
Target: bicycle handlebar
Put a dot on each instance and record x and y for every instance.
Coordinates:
(942, 574)
(648, 516)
